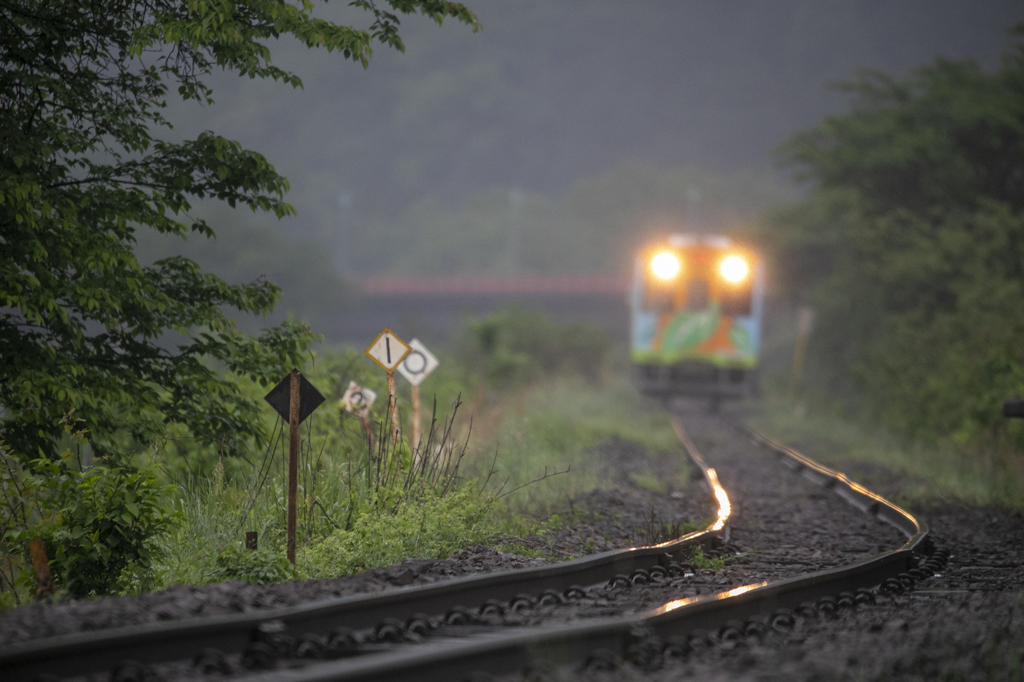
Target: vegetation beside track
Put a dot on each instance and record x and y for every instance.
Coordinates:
(914, 473)
(360, 508)
(97, 344)
(909, 247)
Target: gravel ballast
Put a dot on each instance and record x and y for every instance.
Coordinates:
(965, 624)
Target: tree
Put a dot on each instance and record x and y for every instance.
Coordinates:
(912, 243)
(84, 327)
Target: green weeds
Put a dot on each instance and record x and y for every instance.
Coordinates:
(364, 500)
(698, 560)
(648, 480)
(99, 525)
(260, 566)
(520, 548)
(432, 527)
(556, 426)
(654, 530)
(355, 510)
(516, 346)
(927, 473)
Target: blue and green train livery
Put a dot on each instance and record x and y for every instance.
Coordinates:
(696, 305)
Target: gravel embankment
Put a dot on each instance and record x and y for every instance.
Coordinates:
(966, 623)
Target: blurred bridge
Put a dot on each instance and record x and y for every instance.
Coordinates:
(435, 308)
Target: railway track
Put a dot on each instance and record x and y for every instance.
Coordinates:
(638, 604)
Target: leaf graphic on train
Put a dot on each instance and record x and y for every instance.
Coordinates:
(742, 341)
(686, 330)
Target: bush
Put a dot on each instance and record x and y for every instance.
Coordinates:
(260, 567)
(96, 524)
(341, 479)
(430, 528)
(516, 345)
(698, 560)
(909, 245)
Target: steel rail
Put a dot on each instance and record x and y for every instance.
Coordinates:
(447, 658)
(91, 652)
(557, 645)
(853, 493)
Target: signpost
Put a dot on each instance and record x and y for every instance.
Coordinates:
(804, 325)
(294, 398)
(358, 400)
(416, 366)
(388, 351)
(45, 579)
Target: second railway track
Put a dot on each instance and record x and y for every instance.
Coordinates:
(796, 538)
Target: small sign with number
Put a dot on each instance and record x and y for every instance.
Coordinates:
(418, 364)
(357, 400)
(387, 350)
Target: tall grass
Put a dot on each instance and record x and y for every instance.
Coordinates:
(526, 450)
(356, 507)
(972, 475)
(525, 441)
(556, 426)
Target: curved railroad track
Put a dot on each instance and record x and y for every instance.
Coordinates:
(638, 604)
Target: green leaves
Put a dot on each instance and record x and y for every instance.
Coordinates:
(84, 326)
(95, 524)
(260, 567)
(911, 244)
(514, 345)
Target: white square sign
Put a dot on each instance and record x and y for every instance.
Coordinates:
(418, 363)
(387, 350)
(357, 400)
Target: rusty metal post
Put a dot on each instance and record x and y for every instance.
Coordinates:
(293, 459)
(46, 586)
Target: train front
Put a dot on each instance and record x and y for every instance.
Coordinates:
(696, 317)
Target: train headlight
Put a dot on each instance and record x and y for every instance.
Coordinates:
(734, 269)
(665, 265)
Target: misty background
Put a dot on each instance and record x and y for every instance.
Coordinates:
(553, 141)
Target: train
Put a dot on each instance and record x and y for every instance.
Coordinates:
(696, 304)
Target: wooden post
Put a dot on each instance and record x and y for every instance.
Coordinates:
(387, 356)
(368, 430)
(293, 460)
(251, 540)
(393, 409)
(415, 444)
(804, 323)
(42, 566)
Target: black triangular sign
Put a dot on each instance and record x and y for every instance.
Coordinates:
(309, 398)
